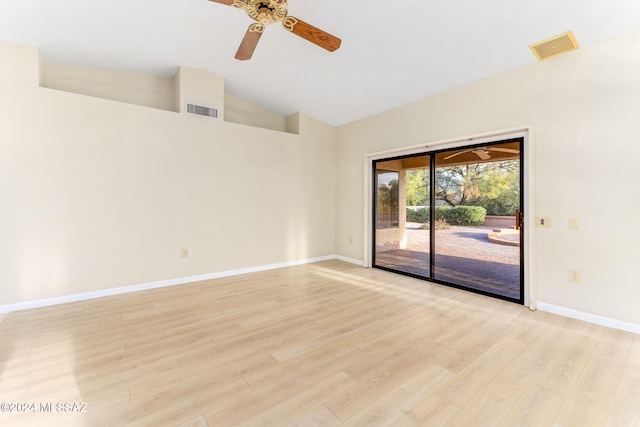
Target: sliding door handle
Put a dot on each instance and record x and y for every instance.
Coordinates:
(519, 219)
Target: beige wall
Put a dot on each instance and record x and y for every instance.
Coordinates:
(133, 88)
(98, 194)
(240, 111)
(166, 93)
(584, 109)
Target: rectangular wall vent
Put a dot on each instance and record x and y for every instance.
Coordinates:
(554, 46)
(200, 110)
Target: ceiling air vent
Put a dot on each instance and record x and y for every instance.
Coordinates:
(200, 110)
(554, 46)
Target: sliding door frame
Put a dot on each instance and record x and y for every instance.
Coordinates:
(527, 182)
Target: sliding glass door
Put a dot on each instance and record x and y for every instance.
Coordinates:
(453, 217)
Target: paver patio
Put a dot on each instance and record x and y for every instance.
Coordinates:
(464, 256)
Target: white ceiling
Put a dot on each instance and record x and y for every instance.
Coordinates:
(393, 52)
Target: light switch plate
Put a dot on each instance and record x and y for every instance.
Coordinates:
(543, 221)
(575, 276)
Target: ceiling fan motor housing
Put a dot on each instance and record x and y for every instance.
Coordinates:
(265, 11)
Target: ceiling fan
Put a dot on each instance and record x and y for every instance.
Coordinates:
(483, 152)
(271, 11)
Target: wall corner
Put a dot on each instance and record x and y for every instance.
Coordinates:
(198, 86)
(22, 65)
(292, 124)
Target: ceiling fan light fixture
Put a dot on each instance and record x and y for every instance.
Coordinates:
(265, 16)
(554, 46)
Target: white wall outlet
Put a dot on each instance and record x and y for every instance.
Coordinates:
(543, 221)
(574, 224)
(184, 252)
(574, 276)
(351, 240)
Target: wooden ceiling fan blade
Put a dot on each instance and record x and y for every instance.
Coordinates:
(456, 154)
(249, 42)
(484, 155)
(504, 150)
(312, 34)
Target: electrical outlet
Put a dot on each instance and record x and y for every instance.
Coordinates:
(351, 240)
(574, 276)
(574, 224)
(185, 252)
(543, 221)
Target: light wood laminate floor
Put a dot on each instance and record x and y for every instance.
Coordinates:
(321, 344)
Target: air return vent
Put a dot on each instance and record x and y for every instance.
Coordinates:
(554, 46)
(200, 110)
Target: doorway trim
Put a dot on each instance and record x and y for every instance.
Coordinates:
(528, 172)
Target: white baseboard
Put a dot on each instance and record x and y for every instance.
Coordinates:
(349, 260)
(588, 317)
(152, 285)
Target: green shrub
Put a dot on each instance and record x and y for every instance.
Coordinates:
(453, 215)
(418, 215)
(461, 215)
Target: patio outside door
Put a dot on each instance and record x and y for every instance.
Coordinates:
(453, 217)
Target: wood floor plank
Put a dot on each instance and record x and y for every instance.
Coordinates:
(481, 372)
(297, 405)
(328, 343)
(592, 399)
(498, 396)
(375, 381)
(195, 422)
(626, 410)
(176, 405)
(329, 337)
(544, 347)
(434, 411)
(294, 373)
(632, 369)
(565, 366)
(392, 406)
(318, 417)
(536, 406)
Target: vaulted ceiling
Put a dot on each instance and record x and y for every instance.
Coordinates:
(392, 53)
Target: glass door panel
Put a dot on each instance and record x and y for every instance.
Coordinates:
(477, 198)
(402, 237)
